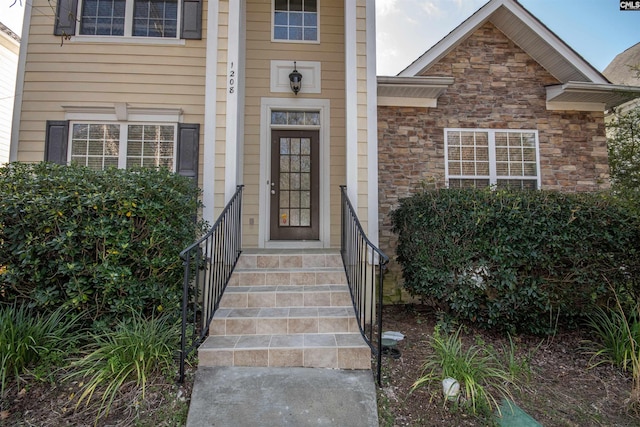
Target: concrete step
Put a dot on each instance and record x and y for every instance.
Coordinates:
(336, 351)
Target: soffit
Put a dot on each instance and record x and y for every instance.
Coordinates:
(413, 87)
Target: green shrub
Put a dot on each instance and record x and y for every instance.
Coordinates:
(99, 242)
(34, 340)
(516, 260)
(130, 354)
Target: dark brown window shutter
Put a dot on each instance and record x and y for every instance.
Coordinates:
(191, 19)
(188, 148)
(56, 141)
(66, 17)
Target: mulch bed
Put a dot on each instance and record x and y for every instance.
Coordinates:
(563, 391)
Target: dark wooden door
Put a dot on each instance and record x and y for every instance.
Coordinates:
(295, 185)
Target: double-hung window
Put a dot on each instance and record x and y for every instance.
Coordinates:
(102, 145)
(168, 19)
(138, 18)
(500, 158)
(124, 144)
(295, 20)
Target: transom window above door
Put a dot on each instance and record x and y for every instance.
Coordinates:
(295, 118)
(129, 18)
(500, 158)
(295, 20)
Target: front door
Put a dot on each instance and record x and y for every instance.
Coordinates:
(295, 184)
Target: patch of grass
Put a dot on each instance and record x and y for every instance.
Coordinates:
(386, 418)
(168, 407)
(128, 355)
(519, 366)
(483, 381)
(28, 338)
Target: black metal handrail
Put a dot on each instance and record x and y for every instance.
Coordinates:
(364, 265)
(208, 264)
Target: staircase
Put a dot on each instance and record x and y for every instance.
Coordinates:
(285, 308)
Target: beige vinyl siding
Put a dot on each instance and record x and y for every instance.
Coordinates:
(260, 52)
(76, 73)
(9, 49)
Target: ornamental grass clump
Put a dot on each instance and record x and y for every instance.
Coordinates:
(32, 341)
(618, 342)
(481, 377)
(131, 354)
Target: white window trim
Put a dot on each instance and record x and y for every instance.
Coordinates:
(128, 29)
(273, 26)
(123, 141)
(121, 112)
(493, 176)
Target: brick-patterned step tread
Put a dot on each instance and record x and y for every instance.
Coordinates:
(286, 296)
(284, 320)
(337, 351)
(290, 277)
(284, 259)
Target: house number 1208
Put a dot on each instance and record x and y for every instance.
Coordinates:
(232, 79)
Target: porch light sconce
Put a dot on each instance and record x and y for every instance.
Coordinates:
(295, 79)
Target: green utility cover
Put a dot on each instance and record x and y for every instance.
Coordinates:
(514, 416)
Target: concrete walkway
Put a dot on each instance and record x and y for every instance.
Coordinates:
(269, 397)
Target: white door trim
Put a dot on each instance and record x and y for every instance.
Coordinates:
(323, 106)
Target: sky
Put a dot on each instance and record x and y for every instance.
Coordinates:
(11, 16)
(597, 29)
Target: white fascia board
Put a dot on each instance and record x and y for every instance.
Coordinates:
(601, 96)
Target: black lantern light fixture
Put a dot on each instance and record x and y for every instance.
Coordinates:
(295, 79)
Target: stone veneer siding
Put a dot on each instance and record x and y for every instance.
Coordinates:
(498, 86)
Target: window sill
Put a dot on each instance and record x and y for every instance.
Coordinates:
(128, 40)
(273, 40)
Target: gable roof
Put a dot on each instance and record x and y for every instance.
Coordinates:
(620, 70)
(525, 30)
(581, 87)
